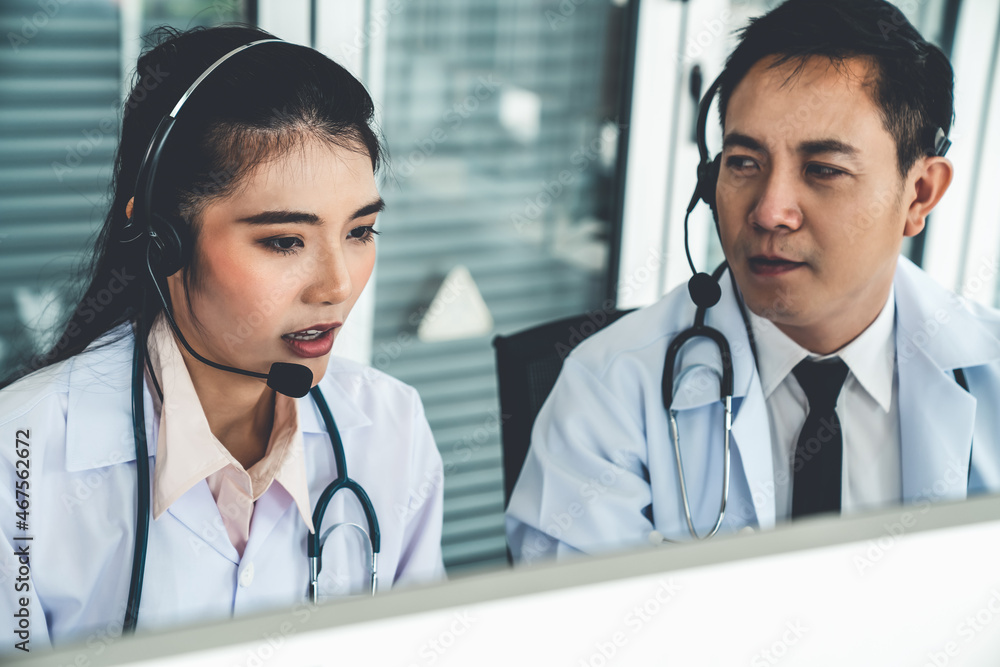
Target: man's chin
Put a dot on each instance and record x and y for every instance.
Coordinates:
(775, 305)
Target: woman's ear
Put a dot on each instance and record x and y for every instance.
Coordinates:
(128, 208)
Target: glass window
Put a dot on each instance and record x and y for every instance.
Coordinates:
(500, 118)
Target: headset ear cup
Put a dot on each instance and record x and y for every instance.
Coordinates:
(711, 184)
(708, 176)
(170, 247)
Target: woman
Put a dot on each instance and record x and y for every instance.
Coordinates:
(244, 242)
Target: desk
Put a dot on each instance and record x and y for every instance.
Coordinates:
(916, 585)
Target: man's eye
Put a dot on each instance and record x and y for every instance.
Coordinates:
(740, 163)
(823, 171)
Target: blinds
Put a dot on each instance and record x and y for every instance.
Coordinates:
(499, 121)
(59, 86)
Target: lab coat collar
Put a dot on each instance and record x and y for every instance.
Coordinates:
(930, 321)
(935, 334)
(340, 391)
(99, 405)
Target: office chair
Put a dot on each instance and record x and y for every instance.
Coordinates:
(528, 363)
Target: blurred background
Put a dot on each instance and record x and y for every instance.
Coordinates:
(541, 156)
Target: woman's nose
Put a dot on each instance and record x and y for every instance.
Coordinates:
(331, 279)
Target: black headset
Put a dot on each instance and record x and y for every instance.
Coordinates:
(169, 239)
(169, 242)
(704, 289)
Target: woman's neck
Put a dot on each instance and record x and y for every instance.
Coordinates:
(240, 410)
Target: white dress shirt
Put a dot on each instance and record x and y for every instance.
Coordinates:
(867, 408)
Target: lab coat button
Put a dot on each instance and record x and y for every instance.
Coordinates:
(246, 576)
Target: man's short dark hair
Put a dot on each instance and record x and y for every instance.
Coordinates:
(912, 82)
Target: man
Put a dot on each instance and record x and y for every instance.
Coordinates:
(850, 362)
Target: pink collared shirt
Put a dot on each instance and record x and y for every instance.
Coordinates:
(187, 451)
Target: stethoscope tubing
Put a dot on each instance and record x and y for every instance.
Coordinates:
(315, 548)
(700, 330)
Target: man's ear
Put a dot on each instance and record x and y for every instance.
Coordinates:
(933, 176)
(128, 208)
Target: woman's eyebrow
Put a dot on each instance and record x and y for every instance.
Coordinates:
(376, 206)
(285, 217)
(280, 217)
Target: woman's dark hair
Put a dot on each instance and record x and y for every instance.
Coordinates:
(256, 106)
(912, 81)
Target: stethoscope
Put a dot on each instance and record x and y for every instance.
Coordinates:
(168, 249)
(315, 540)
(705, 292)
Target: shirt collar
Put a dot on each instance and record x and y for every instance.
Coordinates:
(345, 391)
(870, 357)
(187, 450)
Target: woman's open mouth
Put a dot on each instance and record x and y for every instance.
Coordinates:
(312, 342)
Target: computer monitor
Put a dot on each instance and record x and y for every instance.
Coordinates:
(917, 585)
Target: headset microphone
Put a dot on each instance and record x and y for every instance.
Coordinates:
(293, 380)
(703, 288)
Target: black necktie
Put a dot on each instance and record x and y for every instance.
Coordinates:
(818, 458)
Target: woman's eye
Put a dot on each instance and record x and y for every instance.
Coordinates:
(283, 244)
(364, 234)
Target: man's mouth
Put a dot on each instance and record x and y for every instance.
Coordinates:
(771, 265)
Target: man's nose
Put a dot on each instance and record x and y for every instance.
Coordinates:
(778, 204)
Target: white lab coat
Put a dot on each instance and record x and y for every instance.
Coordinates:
(601, 471)
(83, 502)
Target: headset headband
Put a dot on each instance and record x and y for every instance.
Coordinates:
(703, 109)
(212, 67)
(169, 242)
(940, 147)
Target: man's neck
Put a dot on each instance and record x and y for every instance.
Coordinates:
(828, 337)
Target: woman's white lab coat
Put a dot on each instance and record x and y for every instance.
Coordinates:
(76, 417)
(601, 472)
